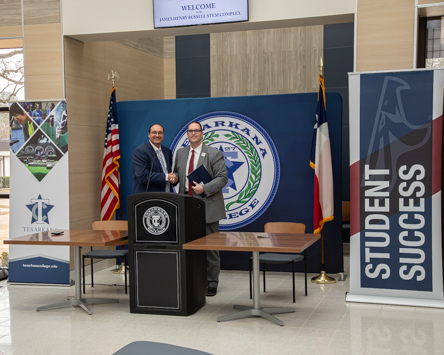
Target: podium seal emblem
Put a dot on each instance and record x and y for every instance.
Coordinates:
(156, 220)
(252, 162)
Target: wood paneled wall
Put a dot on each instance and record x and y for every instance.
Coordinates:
(10, 31)
(88, 91)
(385, 34)
(426, 2)
(10, 18)
(43, 50)
(43, 61)
(266, 62)
(169, 67)
(42, 38)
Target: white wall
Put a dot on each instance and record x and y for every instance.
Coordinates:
(94, 20)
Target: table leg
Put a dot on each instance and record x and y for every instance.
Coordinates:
(256, 310)
(78, 300)
(256, 287)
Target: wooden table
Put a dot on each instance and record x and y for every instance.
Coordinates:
(76, 238)
(255, 242)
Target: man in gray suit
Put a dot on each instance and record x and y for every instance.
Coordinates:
(188, 159)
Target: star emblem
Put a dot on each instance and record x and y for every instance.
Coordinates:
(40, 209)
(232, 166)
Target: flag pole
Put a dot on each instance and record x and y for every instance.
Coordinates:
(113, 75)
(323, 278)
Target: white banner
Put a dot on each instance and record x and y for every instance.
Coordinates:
(39, 189)
(395, 187)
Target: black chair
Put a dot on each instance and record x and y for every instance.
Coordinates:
(106, 254)
(280, 258)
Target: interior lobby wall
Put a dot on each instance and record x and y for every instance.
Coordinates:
(134, 18)
(10, 19)
(385, 34)
(43, 50)
(266, 62)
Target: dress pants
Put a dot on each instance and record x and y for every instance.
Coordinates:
(213, 258)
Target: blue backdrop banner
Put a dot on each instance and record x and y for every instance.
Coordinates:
(266, 141)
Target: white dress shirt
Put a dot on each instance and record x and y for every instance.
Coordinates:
(197, 152)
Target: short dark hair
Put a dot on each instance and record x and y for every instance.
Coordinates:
(197, 123)
(156, 124)
(16, 109)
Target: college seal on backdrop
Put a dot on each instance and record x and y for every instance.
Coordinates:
(251, 159)
(156, 220)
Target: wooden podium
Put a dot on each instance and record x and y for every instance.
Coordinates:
(164, 278)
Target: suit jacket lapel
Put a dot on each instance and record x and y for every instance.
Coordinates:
(153, 154)
(168, 163)
(186, 151)
(203, 154)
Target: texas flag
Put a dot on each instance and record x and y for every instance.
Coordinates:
(320, 161)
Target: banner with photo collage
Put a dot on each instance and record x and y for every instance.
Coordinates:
(39, 189)
(395, 187)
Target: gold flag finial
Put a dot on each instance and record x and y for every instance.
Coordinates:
(321, 68)
(113, 75)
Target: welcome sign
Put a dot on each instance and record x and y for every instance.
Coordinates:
(174, 13)
(395, 134)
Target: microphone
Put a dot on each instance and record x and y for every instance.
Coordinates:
(151, 170)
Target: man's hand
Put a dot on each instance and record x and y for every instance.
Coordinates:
(198, 189)
(172, 178)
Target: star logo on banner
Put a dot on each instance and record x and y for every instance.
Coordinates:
(40, 208)
(232, 166)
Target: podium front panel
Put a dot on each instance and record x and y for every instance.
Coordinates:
(166, 279)
(156, 221)
(157, 287)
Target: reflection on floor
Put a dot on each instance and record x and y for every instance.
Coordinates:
(322, 324)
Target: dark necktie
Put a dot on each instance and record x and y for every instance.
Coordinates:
(190, 170)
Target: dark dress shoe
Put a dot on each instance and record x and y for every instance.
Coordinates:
(211, 291)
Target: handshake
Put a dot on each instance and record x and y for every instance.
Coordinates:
(172, 178)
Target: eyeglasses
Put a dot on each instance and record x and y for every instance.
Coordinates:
(196, 131)
(159, 133)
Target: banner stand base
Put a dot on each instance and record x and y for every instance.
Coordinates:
(398, 301)
(40, 284)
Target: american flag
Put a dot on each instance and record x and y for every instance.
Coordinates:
(320, 161)
(111, 155)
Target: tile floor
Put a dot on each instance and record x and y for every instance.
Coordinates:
(322, 324)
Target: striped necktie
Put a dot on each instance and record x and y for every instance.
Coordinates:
(159, 155)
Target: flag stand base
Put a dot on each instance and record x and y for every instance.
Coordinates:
(323, 278)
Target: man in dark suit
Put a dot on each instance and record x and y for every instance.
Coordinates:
(152, 154)
(188, 159)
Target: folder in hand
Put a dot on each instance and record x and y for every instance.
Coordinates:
(200, 175)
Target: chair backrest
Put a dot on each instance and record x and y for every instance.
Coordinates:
(284, 227)
(110, 225)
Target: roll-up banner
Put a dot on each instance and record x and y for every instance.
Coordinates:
(395, 183)
(39, 189)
